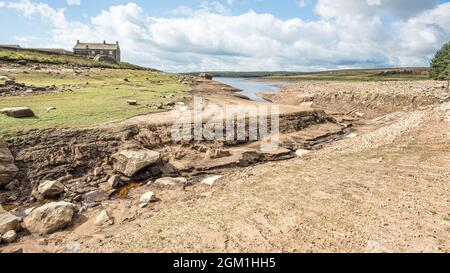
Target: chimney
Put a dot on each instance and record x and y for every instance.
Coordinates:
(78, 41)
(117, 42)
(104, 42)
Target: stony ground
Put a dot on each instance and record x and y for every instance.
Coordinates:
(386, 190)
(383, 188)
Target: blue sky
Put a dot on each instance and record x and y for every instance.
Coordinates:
(236, 35)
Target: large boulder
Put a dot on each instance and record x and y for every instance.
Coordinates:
(49, 218)
(7, 167)
(50, 188)
(18, 112)
(8, 222)
(130, 162)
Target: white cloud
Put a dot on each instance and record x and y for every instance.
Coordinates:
(73, 2)
(208, 40)
(398, 8)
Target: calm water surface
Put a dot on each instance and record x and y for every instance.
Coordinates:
(250, 86)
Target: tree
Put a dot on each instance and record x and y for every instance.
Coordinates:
(440, 64)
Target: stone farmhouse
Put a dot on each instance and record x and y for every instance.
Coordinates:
(98, 49)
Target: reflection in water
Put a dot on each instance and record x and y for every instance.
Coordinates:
(250, 87)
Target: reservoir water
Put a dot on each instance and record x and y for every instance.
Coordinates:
(250, 86)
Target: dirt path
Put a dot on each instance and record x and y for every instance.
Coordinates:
(386, 190)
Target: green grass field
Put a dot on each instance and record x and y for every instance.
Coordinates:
(98, 96)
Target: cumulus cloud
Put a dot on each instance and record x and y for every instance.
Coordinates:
(358, 8)
(209, 40)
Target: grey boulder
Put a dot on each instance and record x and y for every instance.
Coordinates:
(50, 188)
(130, 162)
(8, 222)
(18, 112)
(49, 218)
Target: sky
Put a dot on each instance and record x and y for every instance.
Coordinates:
(238, 35)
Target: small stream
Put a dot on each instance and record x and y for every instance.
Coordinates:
(251, 86)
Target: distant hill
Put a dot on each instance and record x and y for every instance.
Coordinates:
(413, 73)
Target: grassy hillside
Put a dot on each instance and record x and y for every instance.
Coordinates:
(386, 74)
(16, 55)
(392, 74)
(91, 97)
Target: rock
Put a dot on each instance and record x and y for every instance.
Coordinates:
(73, 247)
(12, 186)
(98, 171)
(49, 218)
(130, 162)
(211, 180)
(217, 153)
(352, 135)
(126, 80)
(50, 109)
(50, 188)
(115, 181)
(359, 114)
(206, 76)
(302, 152)
(103, 218)
(8, 221)
(4, 78)
(22, 62)
(147, 197)
(10, 82)
(170, 181)
(28, 211)
(7, 167)
(132, 102)
(18, 112)
(143, 205)
(9, 236)
(96, 196)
